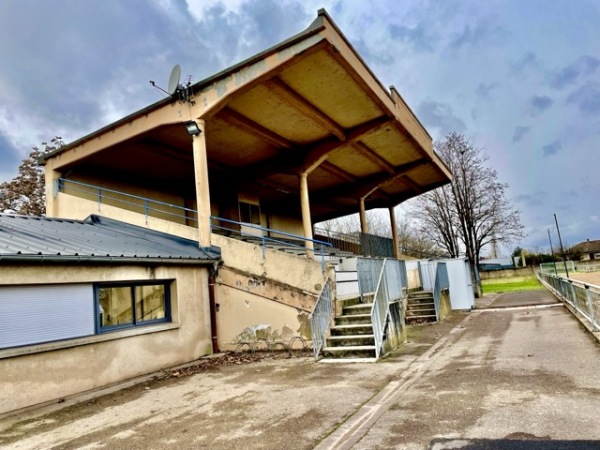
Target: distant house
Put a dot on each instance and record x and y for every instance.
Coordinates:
(589, 250)
(164, 231)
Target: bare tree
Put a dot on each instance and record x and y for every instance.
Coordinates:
(24, 194)
(472, 211)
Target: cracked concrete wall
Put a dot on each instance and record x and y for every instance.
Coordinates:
(252, 307)
(263, 297)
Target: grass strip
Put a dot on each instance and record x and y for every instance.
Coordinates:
(511, 285)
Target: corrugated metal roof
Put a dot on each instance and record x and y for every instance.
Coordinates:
(30, 238)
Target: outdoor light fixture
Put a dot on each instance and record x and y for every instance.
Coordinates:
(192, 128)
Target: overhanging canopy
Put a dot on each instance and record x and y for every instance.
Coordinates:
(309, 104)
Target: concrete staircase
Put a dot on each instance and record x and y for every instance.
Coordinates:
(420, 307)
(351, 338)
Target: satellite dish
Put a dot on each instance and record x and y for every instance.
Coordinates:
(174, 79)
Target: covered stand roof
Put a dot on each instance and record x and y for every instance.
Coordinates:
(95, 239)
(309, 104)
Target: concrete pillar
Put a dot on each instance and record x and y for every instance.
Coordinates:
(202, 191)
(364, 227)
(306, 218)
(394, 233)
(51, 191)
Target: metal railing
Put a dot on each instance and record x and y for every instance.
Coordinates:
(270, 238)
(427, 274)
(359, 243)
(386, 281)
(134, 203)
(368, 271)
(265, 237)
(380, 310)
(584, 297)
(320, 318)
(441, 283)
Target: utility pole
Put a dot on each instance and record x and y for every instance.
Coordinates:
(552, 252)
(562, 250)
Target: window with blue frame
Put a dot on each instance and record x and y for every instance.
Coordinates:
(131, 304)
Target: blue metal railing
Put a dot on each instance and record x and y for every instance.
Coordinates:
(147, 206)
(385, 280)
(320, 318)
(155, 208)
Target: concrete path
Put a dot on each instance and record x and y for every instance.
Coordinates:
(507, 379)
(493, 379)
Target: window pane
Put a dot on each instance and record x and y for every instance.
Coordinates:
(249, 213)
(116, 306)
(150, 302)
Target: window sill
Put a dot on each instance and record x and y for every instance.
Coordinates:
(76, 342)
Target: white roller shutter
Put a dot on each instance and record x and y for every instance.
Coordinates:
(36, 314)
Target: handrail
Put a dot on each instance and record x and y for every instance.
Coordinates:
(99, 191)
(380, 310)
(320, 318)
(150, 206)
(584, 297)
(271, 230)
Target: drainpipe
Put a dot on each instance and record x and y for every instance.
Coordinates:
(364, 227)
(214, 307)
(394, 233)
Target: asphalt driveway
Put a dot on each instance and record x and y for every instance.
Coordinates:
(499, 378)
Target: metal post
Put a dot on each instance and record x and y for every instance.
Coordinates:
(394, 233)
(562, 250)
(552, 253)
(590, 305)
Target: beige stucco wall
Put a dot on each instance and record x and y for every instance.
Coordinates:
(414, 281)
(286, 224)
(39, 377)
(297, 271)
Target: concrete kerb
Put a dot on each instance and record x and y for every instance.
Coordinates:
(351, 431)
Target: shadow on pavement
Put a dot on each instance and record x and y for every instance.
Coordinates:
(533, 443)
(523, 298)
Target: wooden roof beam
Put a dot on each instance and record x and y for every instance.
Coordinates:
(290, 96)
(247, 125)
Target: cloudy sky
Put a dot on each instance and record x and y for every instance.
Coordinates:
(520, 78)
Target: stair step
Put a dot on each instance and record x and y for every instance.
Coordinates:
(424, 316)
(347, 360)
(416, 310)
(361, 308)
(349, 351)
(351, 340)
(353, 319)
(351, 329)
